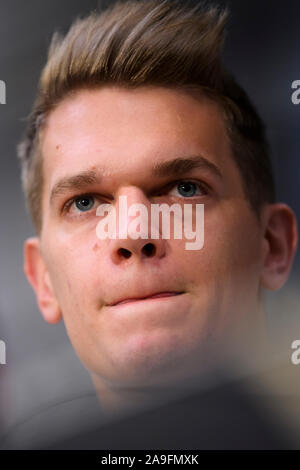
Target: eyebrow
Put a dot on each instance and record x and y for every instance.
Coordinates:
(75, 182)
(175, 167)
(182, 165)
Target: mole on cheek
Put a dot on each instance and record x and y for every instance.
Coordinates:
(95, 247)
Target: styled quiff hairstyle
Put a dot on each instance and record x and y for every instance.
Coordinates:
(149, 42)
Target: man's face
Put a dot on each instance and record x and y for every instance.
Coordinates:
(121, 135)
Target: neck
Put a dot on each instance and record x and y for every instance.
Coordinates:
(118, 401)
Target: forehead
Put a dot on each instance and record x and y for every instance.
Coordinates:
(124, 132)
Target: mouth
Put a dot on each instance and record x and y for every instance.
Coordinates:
(158, 295)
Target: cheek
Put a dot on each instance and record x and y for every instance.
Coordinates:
(231, 252)
(75, 276)
(235, 256)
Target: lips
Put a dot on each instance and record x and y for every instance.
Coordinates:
(152, 296)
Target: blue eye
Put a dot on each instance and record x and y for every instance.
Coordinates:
(84, 203)
(187, 189)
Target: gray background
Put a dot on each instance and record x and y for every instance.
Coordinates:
(263, 51)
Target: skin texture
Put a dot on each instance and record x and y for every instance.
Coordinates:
(122, 134)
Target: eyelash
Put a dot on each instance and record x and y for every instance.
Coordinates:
(203, 186)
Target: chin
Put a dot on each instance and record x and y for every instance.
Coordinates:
(151, 360)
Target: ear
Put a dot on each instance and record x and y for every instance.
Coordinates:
(280, 244)
(38, 276)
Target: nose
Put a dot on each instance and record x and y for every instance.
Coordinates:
(133, 214)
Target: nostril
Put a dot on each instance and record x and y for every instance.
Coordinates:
(149, 249)
(124, 252)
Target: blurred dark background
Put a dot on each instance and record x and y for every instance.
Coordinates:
(262, 50)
